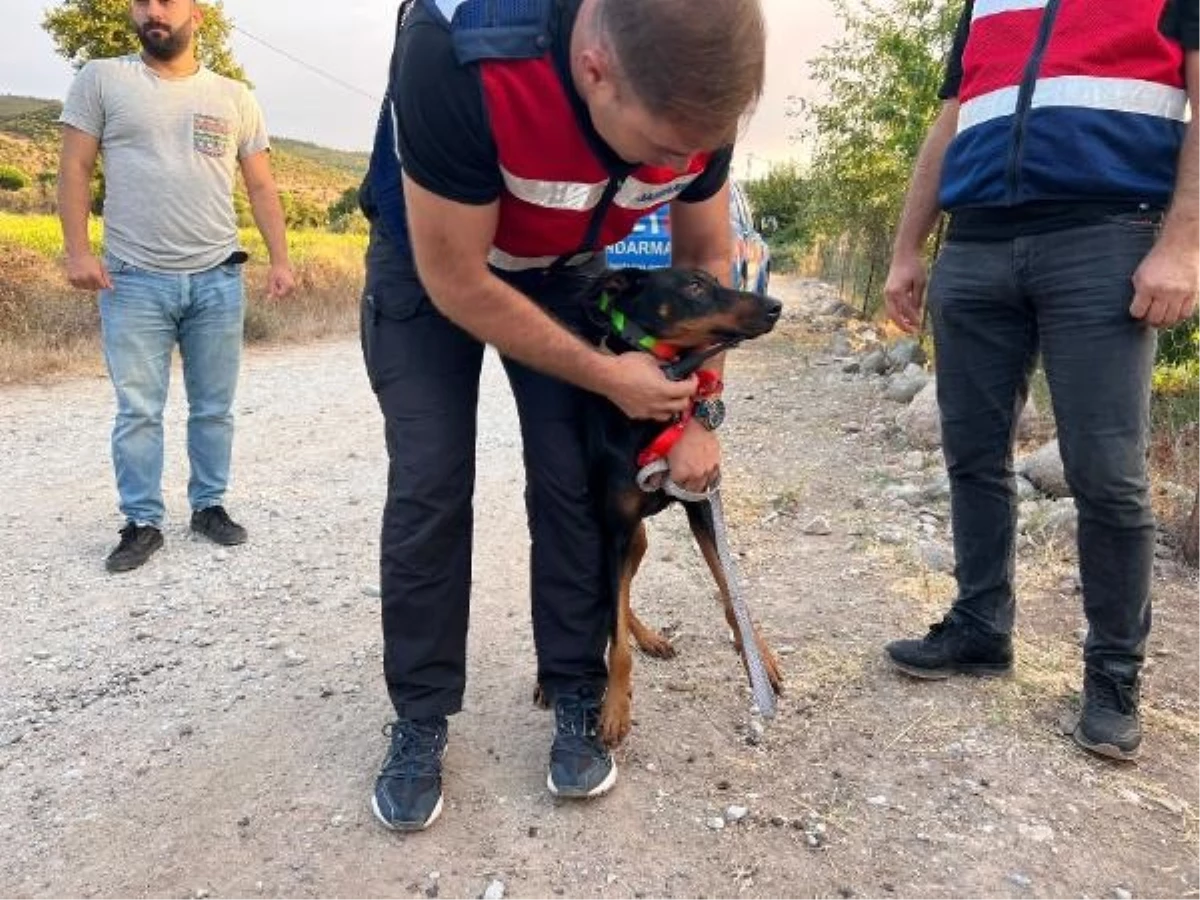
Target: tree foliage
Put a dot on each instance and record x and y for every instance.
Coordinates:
(880, 86)
(780, 199)
(344, 214)
(96, 29)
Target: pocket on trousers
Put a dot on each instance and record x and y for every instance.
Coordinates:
(1141, 223)
(397, 306)
(116, 265)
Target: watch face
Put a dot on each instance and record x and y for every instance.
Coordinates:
(711, 413)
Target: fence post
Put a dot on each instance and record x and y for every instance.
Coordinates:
(870, 283)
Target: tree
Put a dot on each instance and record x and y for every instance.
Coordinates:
(880, 84)
(344, 215)
(300, 213)
(880, 96)
(780, 201)
(94, 29)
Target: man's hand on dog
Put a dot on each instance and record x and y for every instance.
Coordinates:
(639, 388)
(695, 460)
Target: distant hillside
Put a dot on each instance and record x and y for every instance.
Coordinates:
(313, 175)
(13, 105)
(352, 162)
(30, 118)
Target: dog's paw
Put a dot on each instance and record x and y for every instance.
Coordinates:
(652, 643)
(616, 720)
(655, 645)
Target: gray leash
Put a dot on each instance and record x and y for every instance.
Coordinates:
(656, 476)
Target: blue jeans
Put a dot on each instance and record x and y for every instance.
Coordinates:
(142, 317)
(994, 305)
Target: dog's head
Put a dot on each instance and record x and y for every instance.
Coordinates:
(687, 308)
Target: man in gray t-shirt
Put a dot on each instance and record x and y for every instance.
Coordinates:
(173, 136)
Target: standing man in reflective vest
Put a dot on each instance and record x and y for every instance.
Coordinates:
(519, 138)
(1067, 163)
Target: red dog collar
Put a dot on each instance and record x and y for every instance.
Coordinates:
(709, 385)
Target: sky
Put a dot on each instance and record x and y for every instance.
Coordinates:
(351, 40)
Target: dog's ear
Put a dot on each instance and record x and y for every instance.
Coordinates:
(623, 282)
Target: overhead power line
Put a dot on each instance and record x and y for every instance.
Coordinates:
(307, 65)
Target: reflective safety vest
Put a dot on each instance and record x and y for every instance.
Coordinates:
(559, 202)
(1066, 100)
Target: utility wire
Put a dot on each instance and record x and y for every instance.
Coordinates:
(307, 65)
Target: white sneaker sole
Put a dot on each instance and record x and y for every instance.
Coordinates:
(437, 811)
(602, 788)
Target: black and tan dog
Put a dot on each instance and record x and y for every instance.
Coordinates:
(683, 317)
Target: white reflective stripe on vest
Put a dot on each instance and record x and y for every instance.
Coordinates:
(1129, 95)
(635, 194)
(581, 196)
(984, 8)
(986, 107)
(1148, 98)
(576, 196)
(510, 263)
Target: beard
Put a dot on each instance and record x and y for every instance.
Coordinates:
(163, 43)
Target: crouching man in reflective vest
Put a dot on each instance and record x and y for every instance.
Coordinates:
(516, 141)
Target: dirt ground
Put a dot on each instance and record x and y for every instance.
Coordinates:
(209, 725)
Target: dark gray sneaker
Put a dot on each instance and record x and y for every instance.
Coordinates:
(951, 648)
(138, 544)
(408, 791)
(580, 764)
(214, 523)
(1108, 722)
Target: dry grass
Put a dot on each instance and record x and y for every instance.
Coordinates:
(48, 330)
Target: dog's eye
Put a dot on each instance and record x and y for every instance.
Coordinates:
(696, 289)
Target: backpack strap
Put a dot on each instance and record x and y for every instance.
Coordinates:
(495, 29)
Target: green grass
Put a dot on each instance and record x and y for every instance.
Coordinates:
(42, 234)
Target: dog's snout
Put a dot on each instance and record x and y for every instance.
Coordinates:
(774, 310)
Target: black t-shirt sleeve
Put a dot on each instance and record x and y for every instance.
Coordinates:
(1181, 22)
(442, 132)
(954, 61)
(715, 174)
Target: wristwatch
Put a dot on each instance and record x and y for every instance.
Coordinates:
(710, 412)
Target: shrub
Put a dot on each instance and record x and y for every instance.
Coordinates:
(1181, 344)
(13, 179)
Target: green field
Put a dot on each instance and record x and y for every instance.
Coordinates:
(42, 235)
